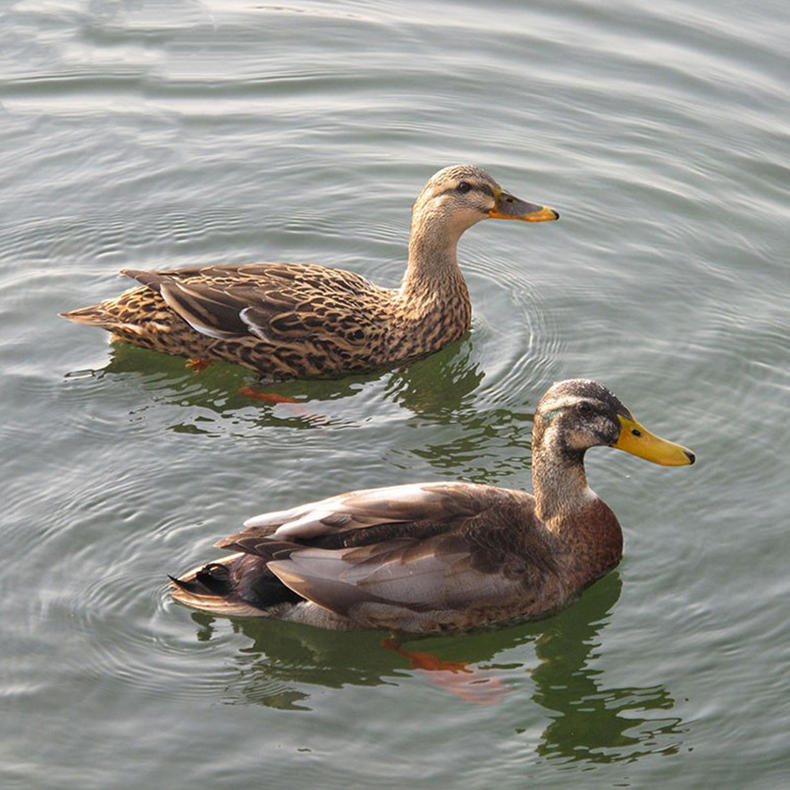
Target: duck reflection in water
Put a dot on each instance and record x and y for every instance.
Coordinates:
(438, 385)
(588, 720)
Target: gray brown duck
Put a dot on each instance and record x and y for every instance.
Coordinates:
(303, 320)
(435, 556)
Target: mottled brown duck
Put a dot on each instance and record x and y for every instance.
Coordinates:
(436, 556)
(303, 320)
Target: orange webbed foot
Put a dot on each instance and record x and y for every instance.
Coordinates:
(198, 365)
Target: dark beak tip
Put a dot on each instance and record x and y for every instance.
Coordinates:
(690, 456)
(556, 213)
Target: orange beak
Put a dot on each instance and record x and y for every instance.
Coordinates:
(509, 207)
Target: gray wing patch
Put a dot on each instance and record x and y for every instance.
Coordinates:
(416, 575)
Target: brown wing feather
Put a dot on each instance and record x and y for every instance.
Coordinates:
(350, 519)
(278, 303)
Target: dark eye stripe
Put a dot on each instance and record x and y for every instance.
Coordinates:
(484, 188)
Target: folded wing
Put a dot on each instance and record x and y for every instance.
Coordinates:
(399, 551)
(276, 303)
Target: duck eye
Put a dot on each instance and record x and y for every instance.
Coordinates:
(585, 407)
(464, 187)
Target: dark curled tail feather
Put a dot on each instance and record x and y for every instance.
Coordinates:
(239, 581)
(211, 579)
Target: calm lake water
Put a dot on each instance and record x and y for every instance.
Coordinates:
(152, 134)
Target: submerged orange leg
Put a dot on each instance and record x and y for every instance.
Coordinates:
(468, 683)
(290, 404)
(198, 365)
(426, 661)
(268, 397)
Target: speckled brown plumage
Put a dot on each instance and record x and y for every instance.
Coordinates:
(297, 320)
(438, 556)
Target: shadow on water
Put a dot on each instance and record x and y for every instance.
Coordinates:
(589, 721)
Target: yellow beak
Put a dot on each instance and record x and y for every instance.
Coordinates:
(638, 441)
(509, 207)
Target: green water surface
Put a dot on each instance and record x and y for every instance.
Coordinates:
(153, 134)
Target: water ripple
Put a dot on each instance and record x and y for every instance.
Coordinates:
(151, 136)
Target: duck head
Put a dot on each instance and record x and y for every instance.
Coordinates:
(461, 195)
(577, 414)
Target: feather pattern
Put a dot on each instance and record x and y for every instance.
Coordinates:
(303, 320)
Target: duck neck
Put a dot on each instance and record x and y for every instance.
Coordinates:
(586, 530)
(558, 478)
(432, 275)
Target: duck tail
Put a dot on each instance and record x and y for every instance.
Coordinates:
(115, 315)
(211, 588)
(211, 579)
(94, 315)
(108, 315)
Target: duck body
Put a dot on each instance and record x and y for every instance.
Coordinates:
(304, 320)
(440, 556)
(282, 320)
(430, 557)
